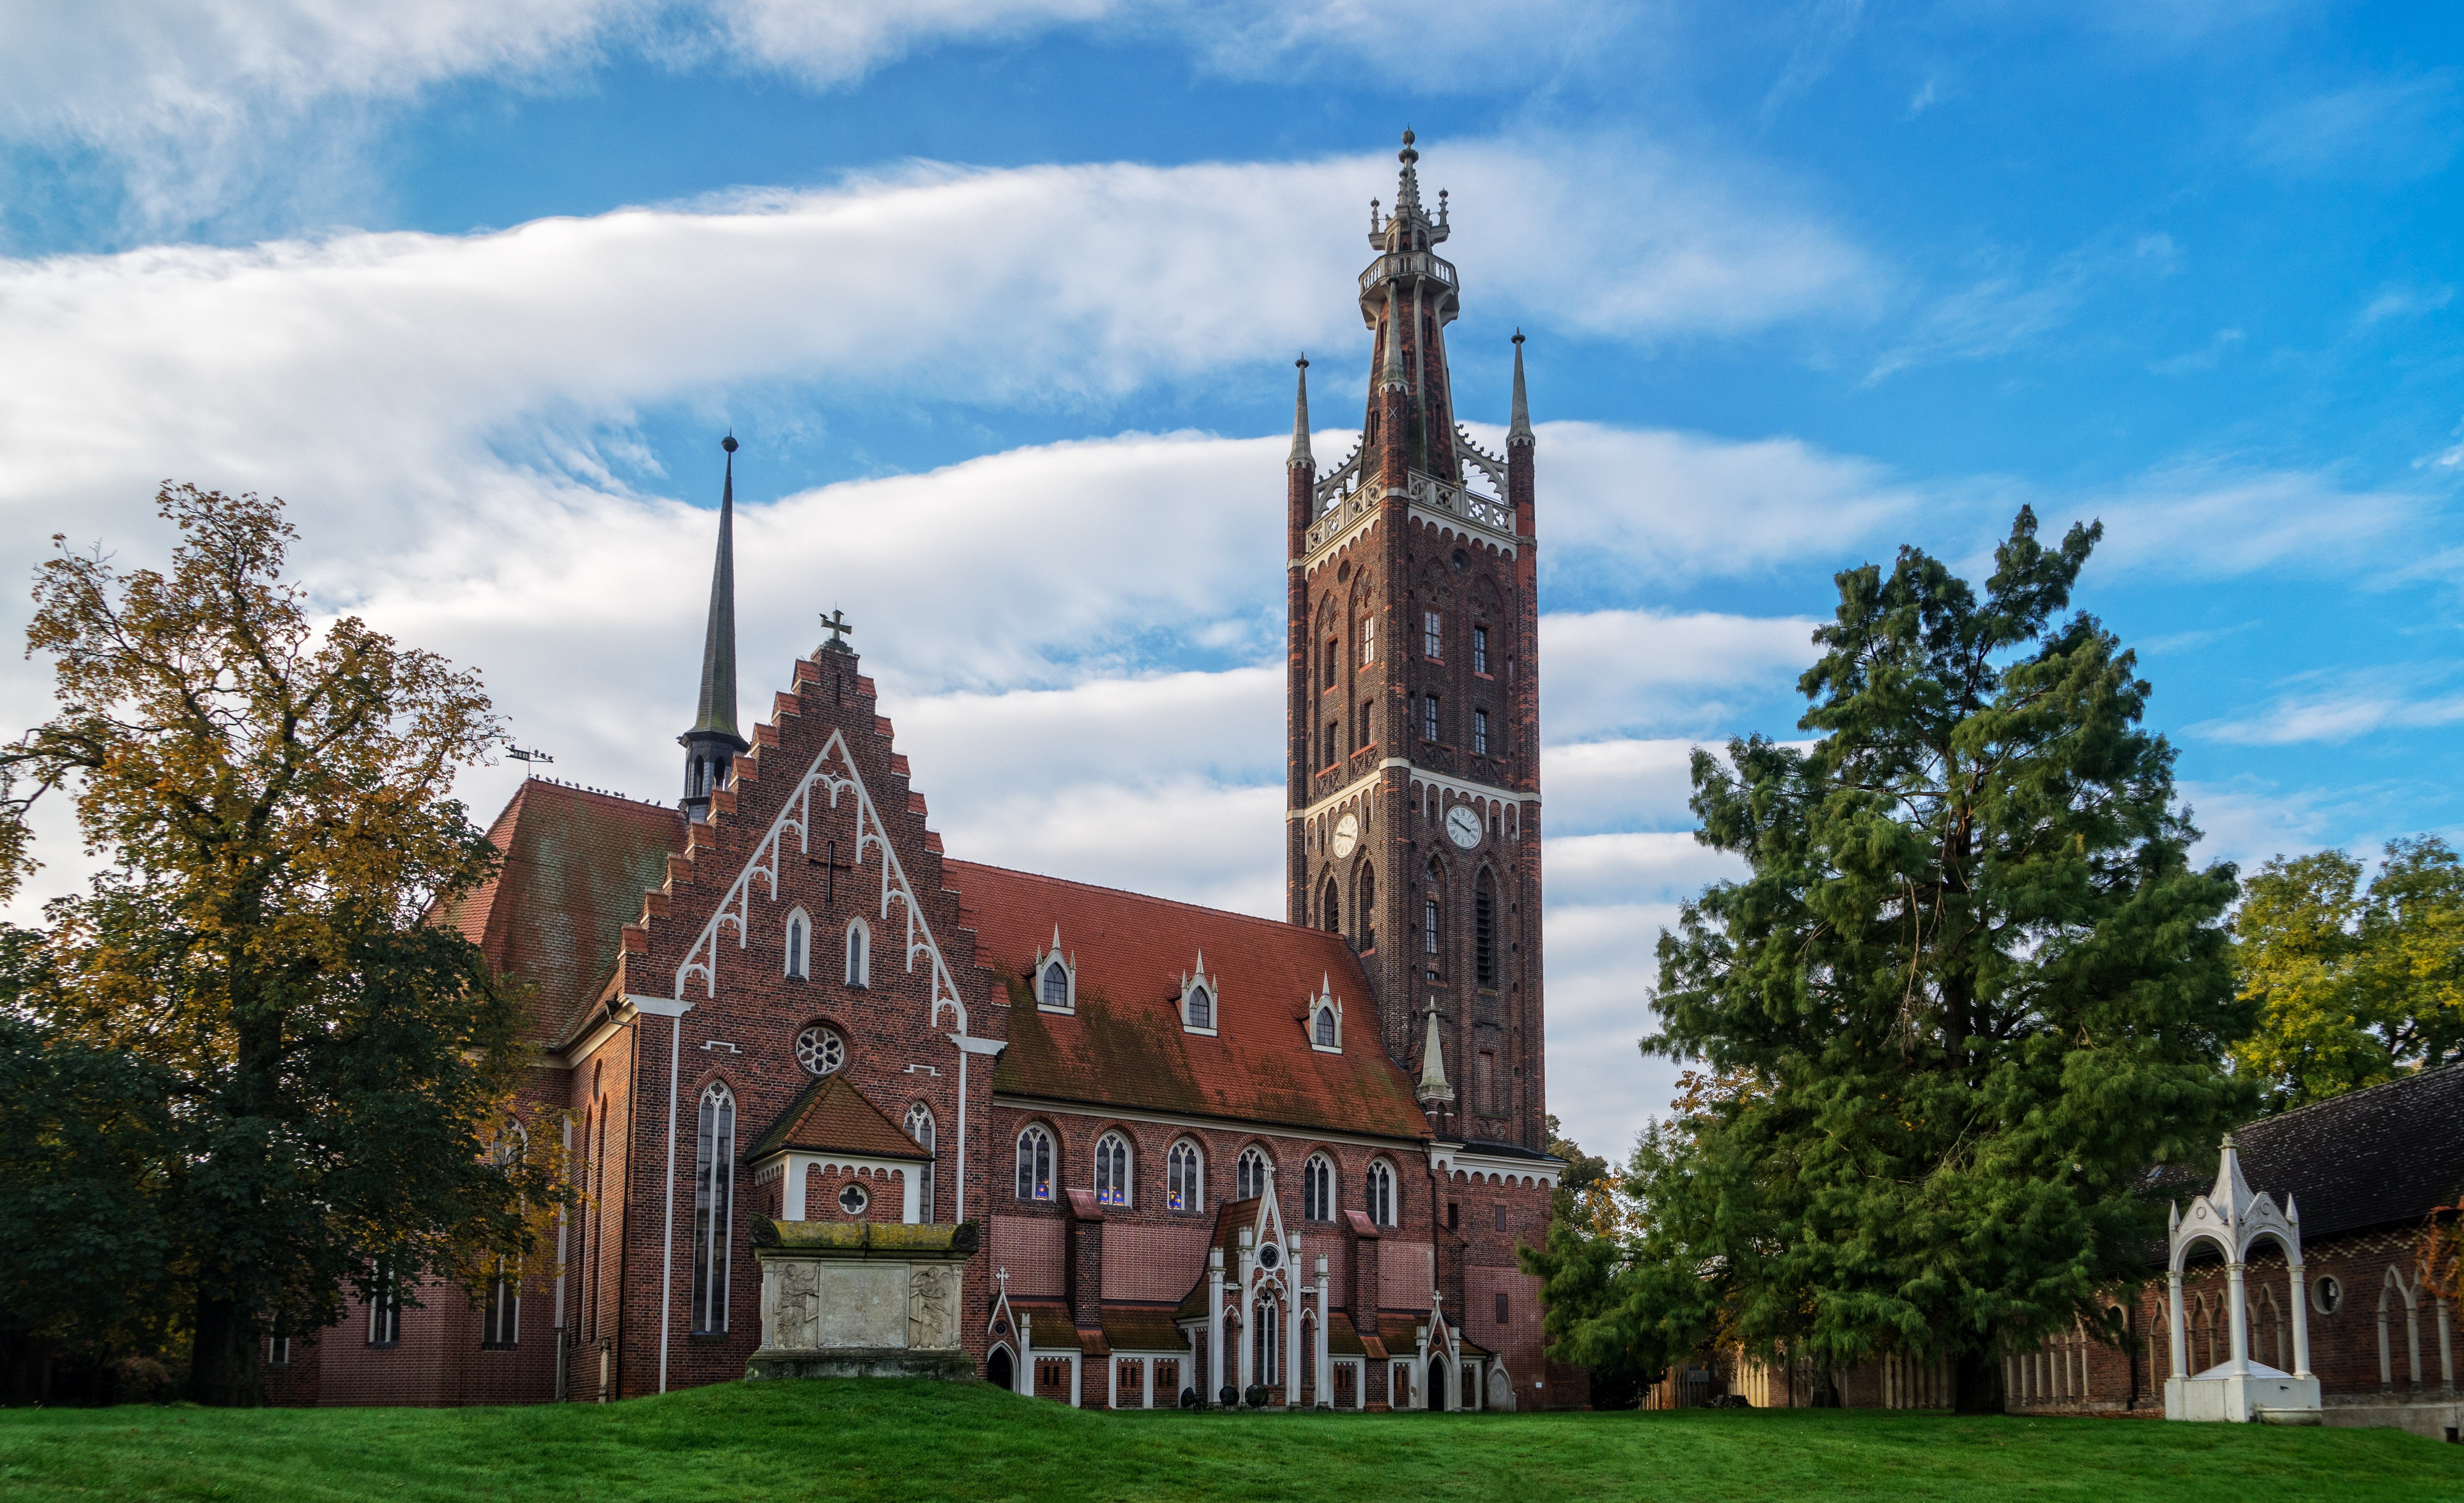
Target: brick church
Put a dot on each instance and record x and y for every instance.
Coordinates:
(1195, 1153)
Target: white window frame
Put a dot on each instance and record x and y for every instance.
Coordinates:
(1367, 640)
(859, 954)
(927, 1133)
(715, 1198)
(1194, 984)
(1114, 1164)
(1433, 640)
(1035, 1174)
(796, 959)
(1045, 961)
(1249, 1182)
(1378, 1191)
(1185, 1176)
(1318, 1181)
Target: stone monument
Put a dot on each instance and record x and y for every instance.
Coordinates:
(843, 1300)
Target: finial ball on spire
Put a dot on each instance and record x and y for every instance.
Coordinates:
(728, 443)
(1518, 336)
(1302, 362)
(1407, 135)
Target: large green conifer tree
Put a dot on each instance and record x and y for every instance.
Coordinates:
(1970, 990)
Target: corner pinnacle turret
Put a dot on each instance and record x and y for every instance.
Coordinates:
(712, 745)
(1300, 455)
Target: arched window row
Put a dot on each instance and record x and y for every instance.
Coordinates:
(1113, 1174)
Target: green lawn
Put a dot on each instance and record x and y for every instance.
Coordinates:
(915, 1440)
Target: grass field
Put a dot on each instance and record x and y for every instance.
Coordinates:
(829, 1439)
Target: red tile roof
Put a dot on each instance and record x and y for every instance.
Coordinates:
(1125, 1047)
(576, 864)
(1142, 1328)
(833, 1117)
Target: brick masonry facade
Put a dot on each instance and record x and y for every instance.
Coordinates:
(804, 923)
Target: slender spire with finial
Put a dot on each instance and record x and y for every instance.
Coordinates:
(717, 711)
(712, 745)
(1300, 455)
(1518, 430)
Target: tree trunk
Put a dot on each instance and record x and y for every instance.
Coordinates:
(1979, 1384)
(222, 1363)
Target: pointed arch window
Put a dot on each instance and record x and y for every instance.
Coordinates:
(1251, 1174)
(859, 954)
(1034, 1164)
(1483, 929)
(1323, 1034)
(799, 929)
(920, 1127)
(714, 1207)
(1317, 1188)
(1331, 908)
(1184, 1178)
(1379, 1188)
(1056, 986)
(1112, 1170)
(1201, 1008)
(1366, 913)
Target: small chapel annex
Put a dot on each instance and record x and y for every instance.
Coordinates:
(1140, 1153)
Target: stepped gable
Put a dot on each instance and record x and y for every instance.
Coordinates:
(821, 768)
(575, 864)
(2369, 1157)
(1124, 1045)
(833, 1117)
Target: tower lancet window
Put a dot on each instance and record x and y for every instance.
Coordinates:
(1429, 716)
(1432, 635)
(1479, 733)
(1480, 650)
(1367, 640)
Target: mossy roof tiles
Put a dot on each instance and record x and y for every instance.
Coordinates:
(1124, 1045)
(576, 864)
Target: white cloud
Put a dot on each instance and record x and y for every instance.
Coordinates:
(2355, 704)
(2216, 521)
(2388, 130)
(1616, 670)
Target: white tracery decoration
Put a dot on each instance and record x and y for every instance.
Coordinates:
(832, 775)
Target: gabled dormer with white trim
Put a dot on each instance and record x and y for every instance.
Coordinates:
(1322, 1023)
(1055, 978)
(1201, 1000)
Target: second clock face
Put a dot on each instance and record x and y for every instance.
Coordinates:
(1462, 826)
(1347, 835)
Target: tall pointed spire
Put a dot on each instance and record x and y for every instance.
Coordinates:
(717, 712)
(711, 745)
(1300, 455)
(1518, 430)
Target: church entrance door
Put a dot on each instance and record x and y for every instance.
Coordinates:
(1437, 1382)
(998, 1371)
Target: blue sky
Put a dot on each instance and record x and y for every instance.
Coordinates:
(1001, 297)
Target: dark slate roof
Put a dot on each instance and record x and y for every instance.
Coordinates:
(1495, 1149)
(576, 864)
(1049, 1326)
(833, 1117)
(1124, 1046)
(1143, 1328)
(2368, 1158)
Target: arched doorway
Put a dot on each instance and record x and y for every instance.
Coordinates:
(1436, 1381)
(998, 1371)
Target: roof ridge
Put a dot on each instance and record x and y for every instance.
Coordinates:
(2412, 1077)
(1144, 897)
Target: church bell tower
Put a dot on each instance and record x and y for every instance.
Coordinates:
(1413, 812)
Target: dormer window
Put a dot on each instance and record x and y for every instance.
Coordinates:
(1323, 1022)
(1055, 978)
(1201, 998)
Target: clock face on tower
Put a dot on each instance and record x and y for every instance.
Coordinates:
(1462, 826)
(1347, 835)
